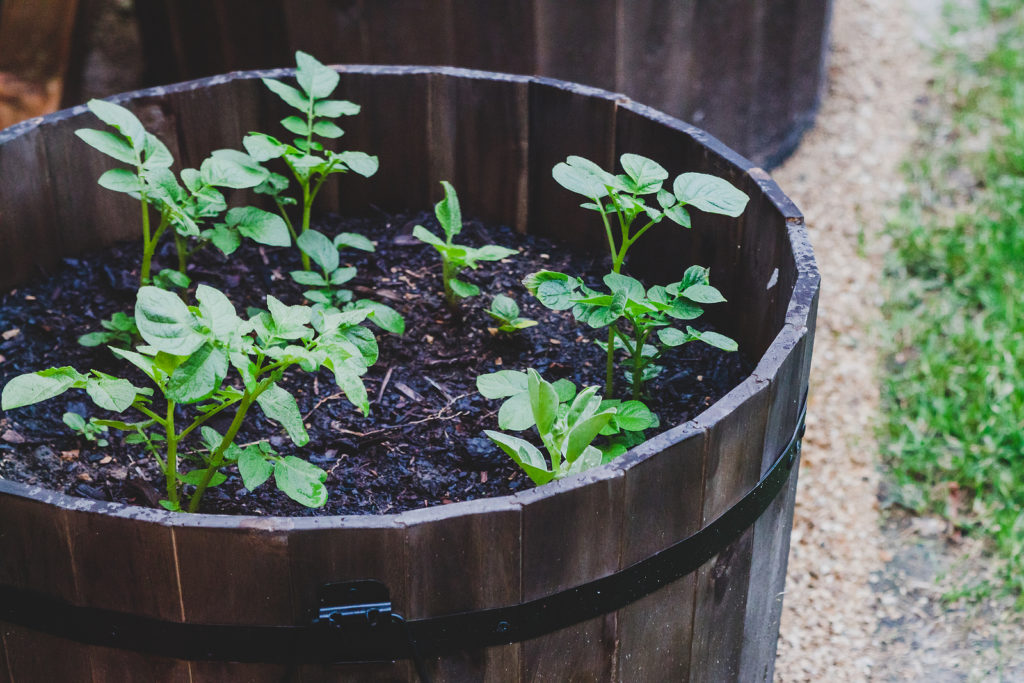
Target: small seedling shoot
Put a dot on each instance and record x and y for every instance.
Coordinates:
(456, 257)
(307, 159)
(506, 311)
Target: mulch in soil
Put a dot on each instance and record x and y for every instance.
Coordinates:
(423, 442)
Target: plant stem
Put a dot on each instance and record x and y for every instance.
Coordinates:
(307, 204)
(182, 246)
(147, 243)
(171, 465)
(446, 276)
(217, 457)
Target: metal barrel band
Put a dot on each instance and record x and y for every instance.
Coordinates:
(395, 638)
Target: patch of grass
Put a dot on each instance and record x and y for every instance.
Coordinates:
(953, 388)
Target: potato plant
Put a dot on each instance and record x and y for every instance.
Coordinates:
(187, 355)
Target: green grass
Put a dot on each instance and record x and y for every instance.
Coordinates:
(953, 389)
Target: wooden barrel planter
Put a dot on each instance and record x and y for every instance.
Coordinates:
(66, 561)
(750, 73)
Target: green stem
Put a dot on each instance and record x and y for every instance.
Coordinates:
(182, 246)
(307, 204)
(638, 361)
(217, 457)
(198, 422)
(147, 243)
(609, 365)
(171, 464)
(448, 272)
(287, 221)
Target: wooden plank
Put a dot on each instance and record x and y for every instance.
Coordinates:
(225, 672)
(424, 34)
(725, 66)
(656, 61)
(495, 36)
(467, 557)
(5, 671)
(333, 31)
(771, 106)
(566, 120)
(572, 534)
(124, 666)
(578, 41)
(330, 550)
(478, 141)
(663, 505)
(28, 225)
(394, 125)
(198, 114)
(736, 430)
(34, 657)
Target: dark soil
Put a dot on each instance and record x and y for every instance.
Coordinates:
(422, 444)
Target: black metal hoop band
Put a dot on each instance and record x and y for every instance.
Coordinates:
(368, 632)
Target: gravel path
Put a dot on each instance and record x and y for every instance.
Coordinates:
(864, 592)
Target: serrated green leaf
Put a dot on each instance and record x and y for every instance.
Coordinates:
(710, 193)
(287, 93)
(111, 144)
(165, 322)
(301, 481)
(629, 286)
(316, 79)
(277, 404)
(383, 316)
(260, 226)
(351, 384)
(155, 154)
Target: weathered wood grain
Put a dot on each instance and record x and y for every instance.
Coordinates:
(5, 671)
(569, 539)
(495, 36)
(578, 41)
(34, 657)
(664, 480)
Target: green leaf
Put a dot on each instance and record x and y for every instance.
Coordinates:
(502, 384)
(120, 118)
(424, 235)
(199, 377)
(645, 173)
(263, 147)
(684, 310)
(565, 389)
(120, 180)
(448, 212)
(670, 336)
(335, 108)
(515, 413)
(719, 341)
(703, 294)
(710, 193)
(463, 289)
(694, 275)
(73, 420)
(236, 170)
(171, 279)
(591, 457)
(631, 287)
(488, 252)
(360, 162)
(326, 129)
(342, 275)
(353, 240)
(260, 226)
(287, 93)
(32, 388)
(95, 338)
(308, 278)
(156, 154)
(144, 363)
(295, 124)
(543, 401)
(301, 481)
(109, 143)
(634, 416)
(579, 181)
(351, 385)
(254, 467)
(383, 316)
(279, 405)
(504, 308)
(226, 239)
(111, 393)
(677, 214)
(320, 248)
(165, 322)
(316, 79)
(195, 478)
(525, 454)
(583, 432)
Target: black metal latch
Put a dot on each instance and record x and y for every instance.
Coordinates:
(354, 605)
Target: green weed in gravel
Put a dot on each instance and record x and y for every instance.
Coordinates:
(953, 394)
